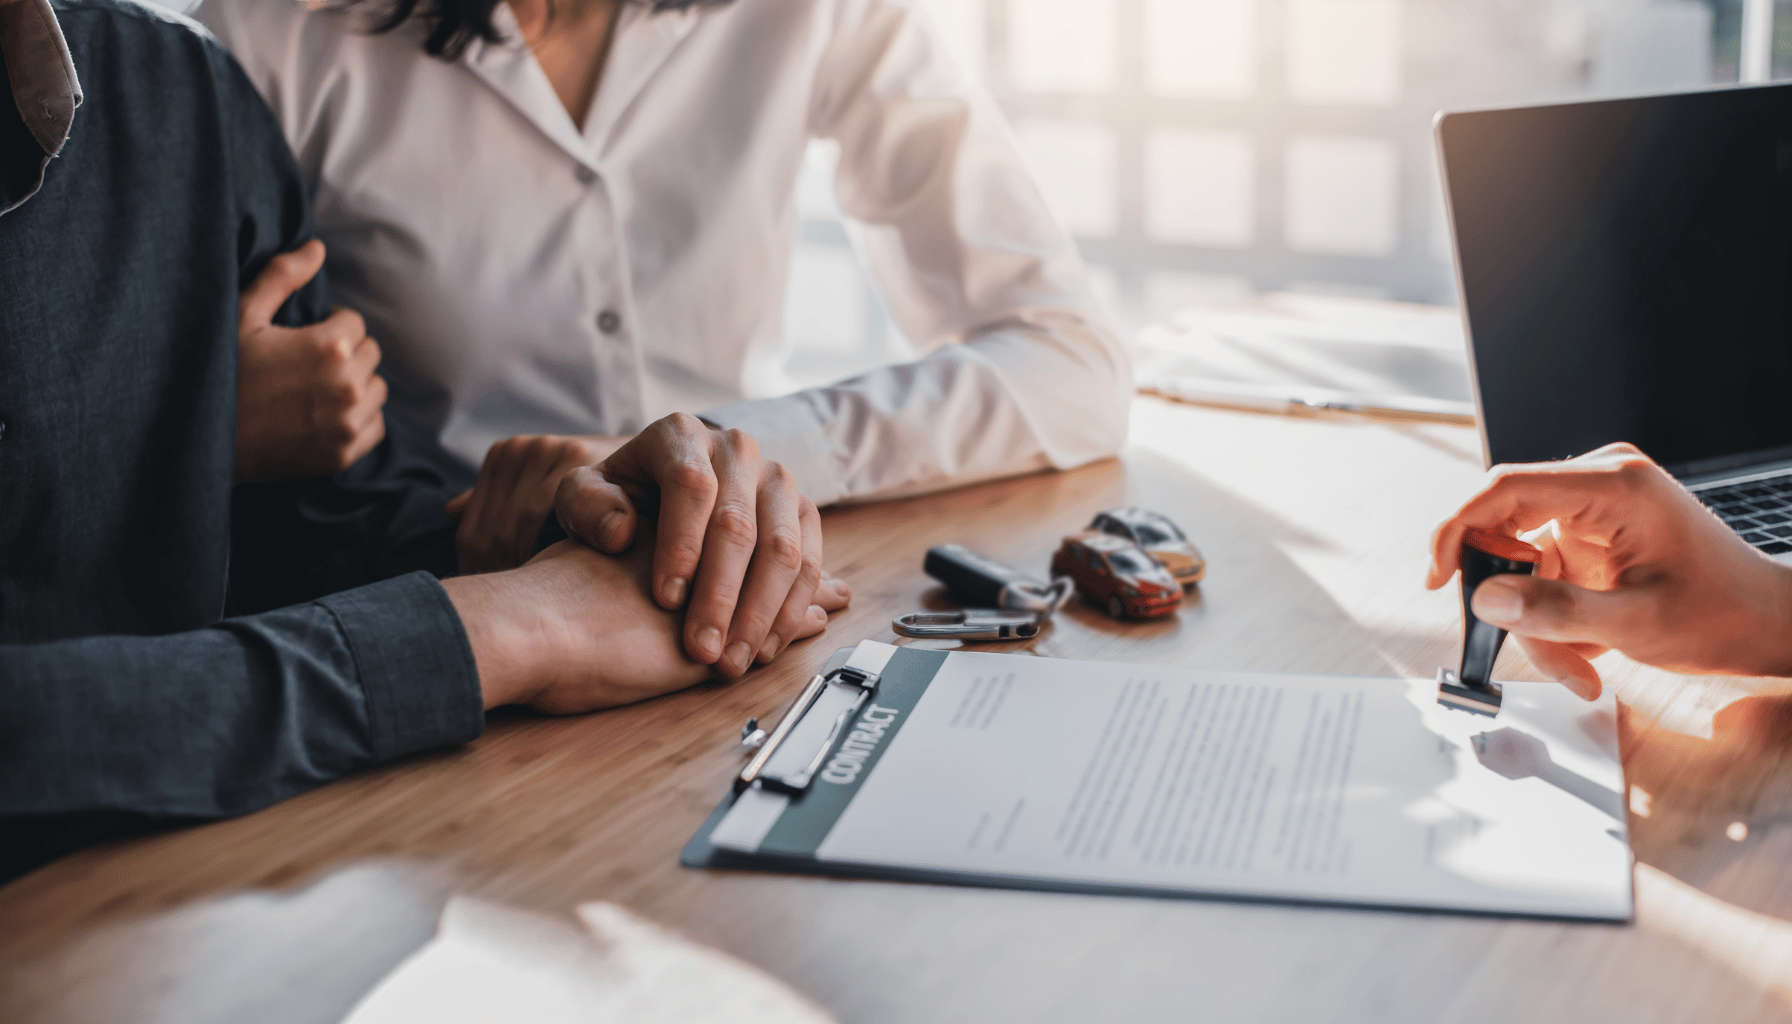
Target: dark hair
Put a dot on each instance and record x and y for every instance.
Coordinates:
(454, 24)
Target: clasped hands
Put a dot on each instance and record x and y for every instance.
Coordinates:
(1631, 562)
(591, 622)
(735, 547)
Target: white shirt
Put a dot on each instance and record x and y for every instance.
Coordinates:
(525, 274)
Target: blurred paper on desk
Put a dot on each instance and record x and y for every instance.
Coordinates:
(1286, 348)
(490, 963)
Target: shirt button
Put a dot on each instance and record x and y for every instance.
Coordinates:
(586, 175)
(608, 321)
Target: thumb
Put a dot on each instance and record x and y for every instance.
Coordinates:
(1562, 612)
(284, 274)
(457, 505)
(594, 510)
(1565, 663)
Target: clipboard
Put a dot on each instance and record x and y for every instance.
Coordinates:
(800, 804)
(789, 750)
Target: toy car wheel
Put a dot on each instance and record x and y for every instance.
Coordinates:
(1115, 608)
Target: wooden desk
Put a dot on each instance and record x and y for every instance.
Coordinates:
(1315, 529)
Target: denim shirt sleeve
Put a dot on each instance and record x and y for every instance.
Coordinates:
(228, 719)
(414, 662)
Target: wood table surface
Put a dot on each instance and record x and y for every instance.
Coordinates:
(1315, 529)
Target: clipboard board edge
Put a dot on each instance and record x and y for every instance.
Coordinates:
(713, 858)
(702, 855)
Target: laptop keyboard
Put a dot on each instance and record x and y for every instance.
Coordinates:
(1760, 510)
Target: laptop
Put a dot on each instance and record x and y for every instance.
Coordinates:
(1625, 268)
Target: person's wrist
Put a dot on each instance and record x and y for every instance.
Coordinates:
(491, 612)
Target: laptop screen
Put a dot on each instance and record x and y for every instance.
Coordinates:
(1626, 268)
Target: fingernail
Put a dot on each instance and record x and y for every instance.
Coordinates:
(818, 612)
(739, 656)
(1498, 603)
(1579, 687)
(709, 641)
(609, 529)
(675, 588)
(769, 649)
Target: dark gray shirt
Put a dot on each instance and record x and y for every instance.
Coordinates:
(128, 698)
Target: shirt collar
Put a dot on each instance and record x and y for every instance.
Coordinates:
(41, 75)
(509, 69)
(644, 40)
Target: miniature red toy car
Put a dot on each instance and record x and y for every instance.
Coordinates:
(1116, 574)
(1160, 538)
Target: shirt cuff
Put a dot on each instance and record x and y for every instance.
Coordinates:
(415, 662)
(790, 431)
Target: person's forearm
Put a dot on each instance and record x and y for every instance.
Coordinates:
(488, 608)
(1023, 374)
(1010, 402)
(515, 624)
(575, 630)
(224, 720)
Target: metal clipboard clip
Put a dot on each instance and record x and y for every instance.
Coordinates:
(788, 765)
(971, 624)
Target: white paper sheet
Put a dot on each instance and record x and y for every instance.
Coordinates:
(1357, 790)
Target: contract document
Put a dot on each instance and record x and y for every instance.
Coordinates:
(1028, 772)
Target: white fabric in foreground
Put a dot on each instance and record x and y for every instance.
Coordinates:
(490, 963)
